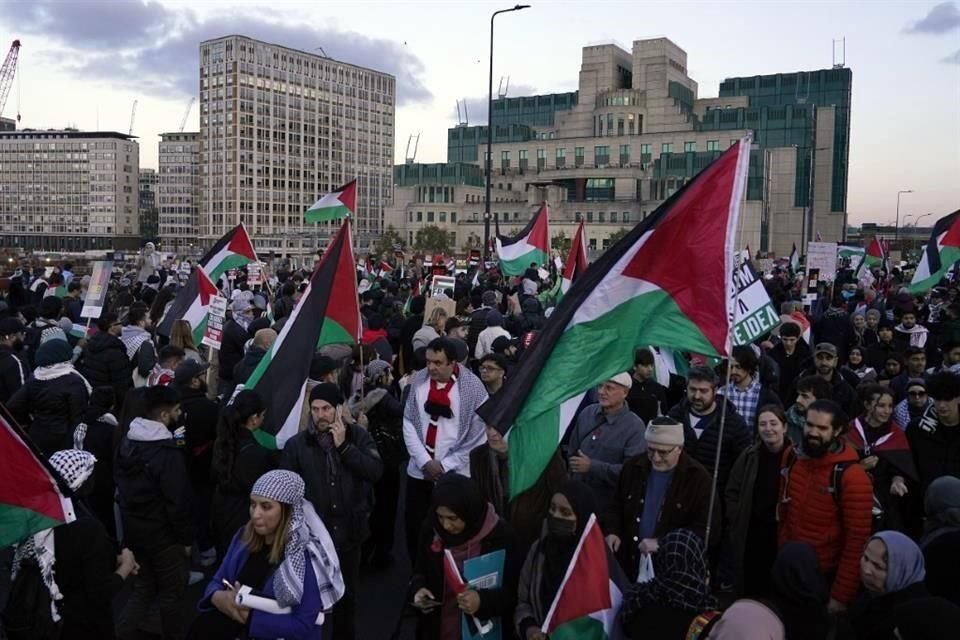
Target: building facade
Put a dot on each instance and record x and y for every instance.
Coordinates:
(8, 124)
(281, 127)
(178, 191)
(149, 221)
(636, 131)
(69, 190)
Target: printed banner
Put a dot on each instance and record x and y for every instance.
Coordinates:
(216, 317)
(97, 291)
(755, 313)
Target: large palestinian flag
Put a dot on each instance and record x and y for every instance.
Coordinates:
(334, 205)
(874, 255)
(30, 499)
(854, 255)
(531, 246)
(668, 282)
(577, 260)
(191, 304)
(941, 252)
(328, 313)
(232, 251)
(588, 601)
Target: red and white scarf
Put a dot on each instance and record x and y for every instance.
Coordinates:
(438, 406)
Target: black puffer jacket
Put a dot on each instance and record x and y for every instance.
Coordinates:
(52, 408)
(231, 350)
(247, 364)
(736, 438)
(153, 489)
(104, 363)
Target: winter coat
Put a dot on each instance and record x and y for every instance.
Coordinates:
(199, 416)
(838, 529)
(841, 392)
(245, 368)
(736, 438)
(942, 557)
(877, 354)
(355, 466)
(873, 616)
(104, 363)
(685, 506)
(935, 448)
(647, 399)
(99, 440)
(299, 624)
(14, 371)
(52, 408)
(153, 489)
(385, 416)
(231, 348)
(833, 327)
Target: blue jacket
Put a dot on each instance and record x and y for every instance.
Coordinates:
(299, 624)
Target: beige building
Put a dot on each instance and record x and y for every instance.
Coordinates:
(179, 191)
(69, 190)
(636, 131)
(281, 127)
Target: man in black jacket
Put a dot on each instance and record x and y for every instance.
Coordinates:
(14, 369)
(235, 336)
(878, 353)
(792, 354)
(153, 491)
(935, 436)
(104, 362)
(826, 361)
(339, 464)
(700, 414)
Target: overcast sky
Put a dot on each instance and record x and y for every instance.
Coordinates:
(84, 63)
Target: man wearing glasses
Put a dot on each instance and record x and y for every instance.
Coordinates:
(659, 491)
(493, 369)
(914, 405)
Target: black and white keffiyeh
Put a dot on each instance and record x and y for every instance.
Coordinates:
(306, 535)
(75, 467)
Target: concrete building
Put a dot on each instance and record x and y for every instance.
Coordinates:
(635, 131)
(8, 124)
(69, 190)
(178, 191)
(149, 222)
(281, 127)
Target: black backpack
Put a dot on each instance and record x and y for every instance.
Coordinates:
(27, 614)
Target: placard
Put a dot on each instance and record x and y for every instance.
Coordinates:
(446, 304)
(755, 313)
(440, 284)
(216, 317)
(254, 274)
(823, 256)
(97, 291)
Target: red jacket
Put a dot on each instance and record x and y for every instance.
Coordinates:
(808, 512)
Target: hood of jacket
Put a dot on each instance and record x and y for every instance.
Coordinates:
(102, 341)
(144, 430)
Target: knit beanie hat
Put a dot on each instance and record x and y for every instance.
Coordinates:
(665, 432)
(328, 392)
(376, 369)
(53, 352)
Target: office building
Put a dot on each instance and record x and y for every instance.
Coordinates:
(281, 127)
(635, 131)
(178, 192)
(69, 190)
(148, 204)
(8, 124)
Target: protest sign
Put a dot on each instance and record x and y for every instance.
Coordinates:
(216, 317)
(823, 256)
(755, 314)
(97, 291)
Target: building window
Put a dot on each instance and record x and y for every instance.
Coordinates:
(453, 216)
(578, 216)
(541, 159)
(578, 156)
(443, 216)
(523, 160)
(609, 124)
(504, 160)
(561, 158)
(646, 152)
(592, 244)
(689, 147)
(713, 145)
(620, 126)
(601, 216)
(624, 155)
(613, 216)
(429, 216)
(410, 216)
(601, 155)
(666, 147)
(419, 216)
(626, 216)
(589, 216)
(631, 124)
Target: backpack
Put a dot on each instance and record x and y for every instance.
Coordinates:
(836, 475)
(27, 613)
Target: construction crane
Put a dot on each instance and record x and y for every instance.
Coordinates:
(183, 123)
(410, 157)
(7, 72)
(133, 114)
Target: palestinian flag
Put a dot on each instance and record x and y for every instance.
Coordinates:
(941, 252)
(334, 205)
(892, 447)
(576, 261)
(328, 313)
(588, 601)
(874, 256)
(191, 304)
(668, 282)
(232, 251)
(532, 245)
(794, 261)
(30, 498)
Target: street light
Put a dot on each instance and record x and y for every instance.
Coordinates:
(488, 161)
(896, 230)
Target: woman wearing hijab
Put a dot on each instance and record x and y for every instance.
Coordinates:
(941, 541)
(751, 497)
(857, 365)
(285, 555)
(748, 619)
(677, 601)
(462, 522)
(78, 565)
(892, 573)
(885, 454)
(800, 592)
(549, 557)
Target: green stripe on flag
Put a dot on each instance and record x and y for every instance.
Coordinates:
(333, 333)
(585, 628)
(327, 213)
(518, 266)
(948, 257)
(649, 318)
(18, 523)
(233, 261)
(199, 330)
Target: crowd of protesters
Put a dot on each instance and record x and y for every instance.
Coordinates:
(807, 487)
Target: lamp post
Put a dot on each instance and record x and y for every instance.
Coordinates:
(488, 160)
(916, 224)
(896, 231)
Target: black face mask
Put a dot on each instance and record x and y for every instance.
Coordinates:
(561, 528)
